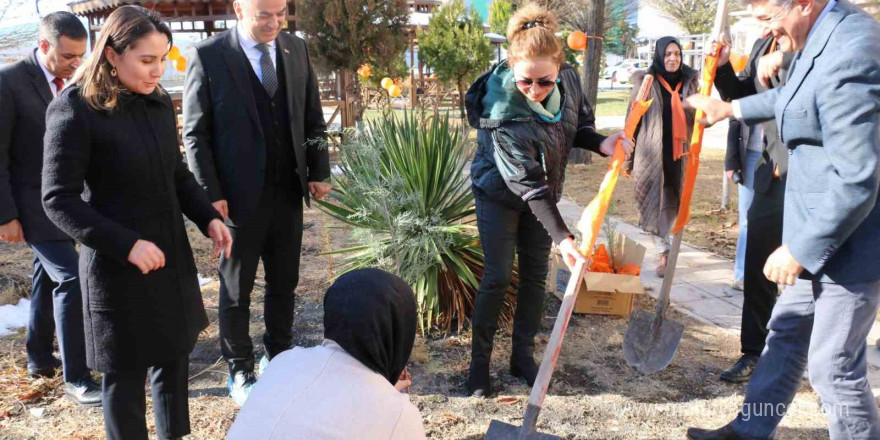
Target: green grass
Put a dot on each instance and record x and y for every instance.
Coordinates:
(612, 103)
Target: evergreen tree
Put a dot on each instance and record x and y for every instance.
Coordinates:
(455, 46)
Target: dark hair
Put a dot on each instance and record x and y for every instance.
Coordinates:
(121, 32)
(61, 24)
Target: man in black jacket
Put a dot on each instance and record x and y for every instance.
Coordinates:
(254, 134)
(767, 69)
(26, 88)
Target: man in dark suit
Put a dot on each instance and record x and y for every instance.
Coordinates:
(26, 88)
(764, 216)
(828, 115)
(254, 133)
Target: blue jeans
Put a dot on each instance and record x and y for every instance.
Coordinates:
(56, 306)
(746, 194)
(822, 325)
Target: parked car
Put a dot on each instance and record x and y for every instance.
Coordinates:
(622, 71)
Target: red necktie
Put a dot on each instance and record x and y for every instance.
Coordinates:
(59, 84)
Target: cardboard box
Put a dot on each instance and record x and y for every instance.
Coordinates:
(603, 293)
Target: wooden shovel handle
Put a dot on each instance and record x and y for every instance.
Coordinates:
(551, 353)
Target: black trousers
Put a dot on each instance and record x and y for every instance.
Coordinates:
(56, 307)
(764, 237)
(125, 406)
(504, 234)
(275, 236)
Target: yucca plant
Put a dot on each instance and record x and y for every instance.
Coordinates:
(405, 196)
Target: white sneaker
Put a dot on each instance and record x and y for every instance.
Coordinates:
(240, 386)
(261, 367)
(737, 285)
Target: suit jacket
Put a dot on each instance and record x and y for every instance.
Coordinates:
(732, 86)
(828, 115)
(24, 97)
(224, 141)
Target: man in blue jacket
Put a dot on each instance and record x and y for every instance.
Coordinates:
(828, 115)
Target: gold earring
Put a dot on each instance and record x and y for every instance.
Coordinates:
(113, 72)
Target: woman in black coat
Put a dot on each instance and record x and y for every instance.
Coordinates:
(530, 111)
(115, 181)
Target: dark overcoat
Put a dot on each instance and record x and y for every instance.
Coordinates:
(112, 178)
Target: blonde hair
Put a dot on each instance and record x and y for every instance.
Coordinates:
(123, 29)
(531, 33)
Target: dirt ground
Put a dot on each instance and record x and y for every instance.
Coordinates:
(594, 394)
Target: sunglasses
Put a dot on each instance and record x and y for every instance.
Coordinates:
(528, 82)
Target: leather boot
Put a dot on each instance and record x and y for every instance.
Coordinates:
(724, 433)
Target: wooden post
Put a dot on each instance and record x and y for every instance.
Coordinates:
(413, 96)
(725, 192)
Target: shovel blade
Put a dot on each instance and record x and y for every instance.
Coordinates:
(505, 431)
(647, 347)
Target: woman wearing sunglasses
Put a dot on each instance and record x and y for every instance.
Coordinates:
(530, 111)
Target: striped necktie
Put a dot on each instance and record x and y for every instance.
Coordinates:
(270, 77)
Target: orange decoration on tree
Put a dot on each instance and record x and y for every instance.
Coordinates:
(577, 40)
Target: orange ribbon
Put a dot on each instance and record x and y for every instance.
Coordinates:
(591, 220)
(679, 122)
(692, 164)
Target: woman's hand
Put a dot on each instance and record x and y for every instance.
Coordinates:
(221, 237)
(570, 254)
(404, 382)
(146, 256)
(608, 145)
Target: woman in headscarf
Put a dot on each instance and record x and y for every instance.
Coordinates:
(350, 385)
(661, 138)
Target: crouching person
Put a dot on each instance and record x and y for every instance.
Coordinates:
(349, 386)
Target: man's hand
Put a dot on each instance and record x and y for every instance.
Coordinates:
(319, 189)
(11, 232)
(724, 57)
(781, 267)
(221, 237)
(608, 145)
(729, 174)
(146, 256)
(223, 208)
(768, 67)
(714, 109)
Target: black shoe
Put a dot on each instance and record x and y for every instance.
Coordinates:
(479, 383)
(725, 433)
(84, 392)
(524, 368)
(47, 371)
(742, 370)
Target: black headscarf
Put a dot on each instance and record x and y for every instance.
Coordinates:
(372, 315)
(657, 66)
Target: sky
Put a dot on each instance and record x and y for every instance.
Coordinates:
(25, 11)
(482, 7)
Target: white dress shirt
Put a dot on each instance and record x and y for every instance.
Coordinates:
(49, 76)
(249, 46)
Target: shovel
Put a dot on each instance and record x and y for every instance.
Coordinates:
(652, 340)
(505, 431)
(589, 225)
